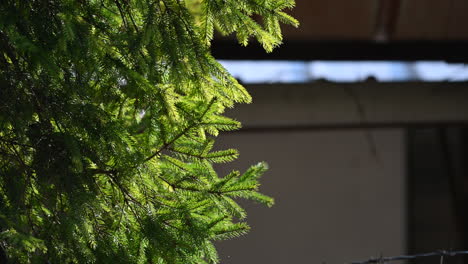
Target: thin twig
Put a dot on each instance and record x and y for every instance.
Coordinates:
(361, 111)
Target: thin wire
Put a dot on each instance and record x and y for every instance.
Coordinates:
(441, 253)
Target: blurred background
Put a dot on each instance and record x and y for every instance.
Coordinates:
(362, 115)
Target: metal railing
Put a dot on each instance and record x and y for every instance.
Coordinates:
(441, 253)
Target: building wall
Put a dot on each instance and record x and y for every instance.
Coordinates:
(340, 193)
(336, 201)
(339, 173)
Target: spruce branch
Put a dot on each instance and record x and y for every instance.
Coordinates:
(15, 142)
(80, 161)
(192, 125)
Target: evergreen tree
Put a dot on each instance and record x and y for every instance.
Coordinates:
(108, 113)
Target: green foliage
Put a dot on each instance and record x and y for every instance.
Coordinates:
(108, 113)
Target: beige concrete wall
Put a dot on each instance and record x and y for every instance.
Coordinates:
(336, 201)
(327, 103)
(341, 193)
